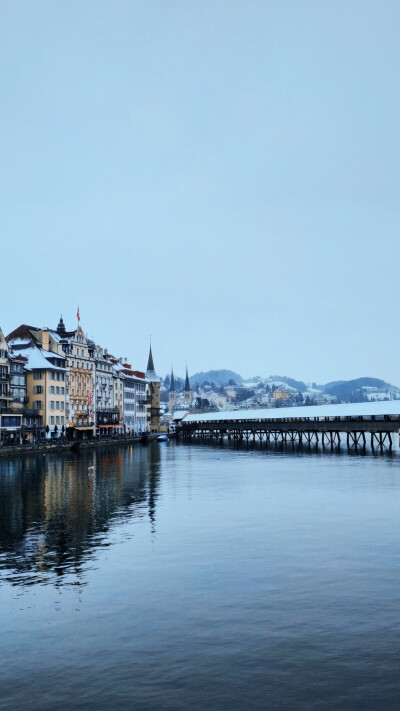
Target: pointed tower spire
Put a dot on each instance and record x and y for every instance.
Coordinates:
(187, 394)
(150, 372)
(172, 384)
(150, 363)
(172, 393)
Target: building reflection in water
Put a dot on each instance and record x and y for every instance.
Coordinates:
(55, 510)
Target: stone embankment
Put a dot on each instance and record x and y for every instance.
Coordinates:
(17, 450)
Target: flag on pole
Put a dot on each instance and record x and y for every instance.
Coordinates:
(77, 315)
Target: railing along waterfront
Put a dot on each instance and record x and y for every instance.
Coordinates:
(356, 421)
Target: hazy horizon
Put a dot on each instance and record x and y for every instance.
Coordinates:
(223, 176)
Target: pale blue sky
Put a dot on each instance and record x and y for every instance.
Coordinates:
(222, 175)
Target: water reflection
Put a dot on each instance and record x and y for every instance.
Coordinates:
(55, 510)
(298, 449)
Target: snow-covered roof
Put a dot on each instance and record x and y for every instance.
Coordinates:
(355, 409)
(121, 370)
(180, 414)
(55, 335)
(152, 377)
(38, 361)
(50, 354)
(15, 342)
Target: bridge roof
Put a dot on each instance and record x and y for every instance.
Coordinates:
(354, 409)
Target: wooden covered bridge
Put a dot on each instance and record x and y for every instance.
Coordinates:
(327, 424)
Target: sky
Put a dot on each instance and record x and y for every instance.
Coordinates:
(221, 175)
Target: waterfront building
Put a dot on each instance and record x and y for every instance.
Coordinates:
(118, 393)
(4, 373)
(46, 389)
(134, 398)
(10, 421)
(80, 363)
(18, 394)
(153, 395)
(38, 381)
(107, 412)
(31, 419)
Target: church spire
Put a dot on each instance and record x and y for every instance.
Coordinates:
(150, 372)
(187, 395)
(150, 363)
(172, 384)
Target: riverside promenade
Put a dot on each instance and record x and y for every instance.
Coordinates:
(61, 446)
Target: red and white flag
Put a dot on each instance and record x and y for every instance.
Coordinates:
(77, 315)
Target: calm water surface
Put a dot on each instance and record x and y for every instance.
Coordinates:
(200, 577)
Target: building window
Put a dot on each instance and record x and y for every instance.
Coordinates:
(37, 375)
(38, 405)
(52, 420)
(37, 389)
(52, 389)
(51, 404)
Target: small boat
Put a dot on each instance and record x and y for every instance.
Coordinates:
(162, 438)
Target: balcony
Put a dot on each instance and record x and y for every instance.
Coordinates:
(107, 416)
(9, 411)
(83, 422)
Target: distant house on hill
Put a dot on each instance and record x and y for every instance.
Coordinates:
(281, 394)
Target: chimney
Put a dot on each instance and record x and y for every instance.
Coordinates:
(45, 340)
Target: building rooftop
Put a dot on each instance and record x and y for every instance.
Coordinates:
(354, 409)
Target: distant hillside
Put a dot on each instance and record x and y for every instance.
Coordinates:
(297, 384)
(219, 377)
(352, 390)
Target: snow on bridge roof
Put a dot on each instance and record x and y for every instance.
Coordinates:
(354, 409)
(180, 414)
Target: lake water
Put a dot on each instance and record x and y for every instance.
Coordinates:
(200, 577)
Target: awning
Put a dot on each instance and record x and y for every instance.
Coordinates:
(100, 426)
(78, 427)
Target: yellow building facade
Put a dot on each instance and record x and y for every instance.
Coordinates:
(281, 394)
(45, 389)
